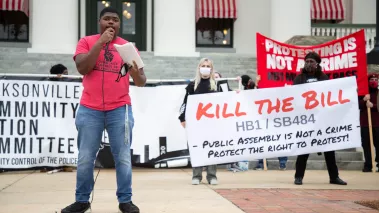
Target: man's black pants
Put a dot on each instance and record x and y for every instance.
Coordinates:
(330, 158)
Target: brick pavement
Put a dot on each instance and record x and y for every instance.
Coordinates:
(298, 200)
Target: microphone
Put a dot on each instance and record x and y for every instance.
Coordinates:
(106, 49)
(106, 46)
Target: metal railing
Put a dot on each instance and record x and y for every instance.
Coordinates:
(341, 30)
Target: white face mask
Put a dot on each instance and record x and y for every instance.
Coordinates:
(205, 71)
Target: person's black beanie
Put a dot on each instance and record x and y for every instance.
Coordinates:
(245, 79)
(314, 56)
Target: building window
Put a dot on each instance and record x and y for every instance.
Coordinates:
(14, 26)
(100, 6)
(214, 32)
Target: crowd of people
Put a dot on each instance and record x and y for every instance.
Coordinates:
(206, 82)
(98, 61)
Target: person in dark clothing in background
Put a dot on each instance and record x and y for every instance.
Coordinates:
(312, 72)
(247, 82)
(217, 75)
(221, 83)
(58, 70)
(371, 102)
(204, 83)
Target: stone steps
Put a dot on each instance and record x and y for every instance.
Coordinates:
(17, 60)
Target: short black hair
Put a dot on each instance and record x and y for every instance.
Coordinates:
(57, 69)
(108, 10)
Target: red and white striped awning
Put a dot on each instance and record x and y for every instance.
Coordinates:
(216, 9)
(327, 10)
(15, 5)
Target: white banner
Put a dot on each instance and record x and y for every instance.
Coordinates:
(37, 124)
(275, 122)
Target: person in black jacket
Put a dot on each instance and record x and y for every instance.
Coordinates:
(312, 72)
(221, 83)
(204, 83)
(248, 83)
(365, 102)
(58, 70)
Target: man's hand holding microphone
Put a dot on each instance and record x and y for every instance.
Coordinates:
(107, 36)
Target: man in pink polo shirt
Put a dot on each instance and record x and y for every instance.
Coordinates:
(105, 104)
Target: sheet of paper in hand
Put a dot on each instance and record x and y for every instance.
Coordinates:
(224, 87)
(129, 54)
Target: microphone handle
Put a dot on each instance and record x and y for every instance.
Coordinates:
(106, 48)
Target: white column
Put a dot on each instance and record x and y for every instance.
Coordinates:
(255, 14)
(82, 18)
(290, 18)
(149, 25)
(54, 26)
(174, 28)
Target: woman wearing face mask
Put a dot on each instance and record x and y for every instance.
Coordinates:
(312, 72)
(204, 83)
(370, 101)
